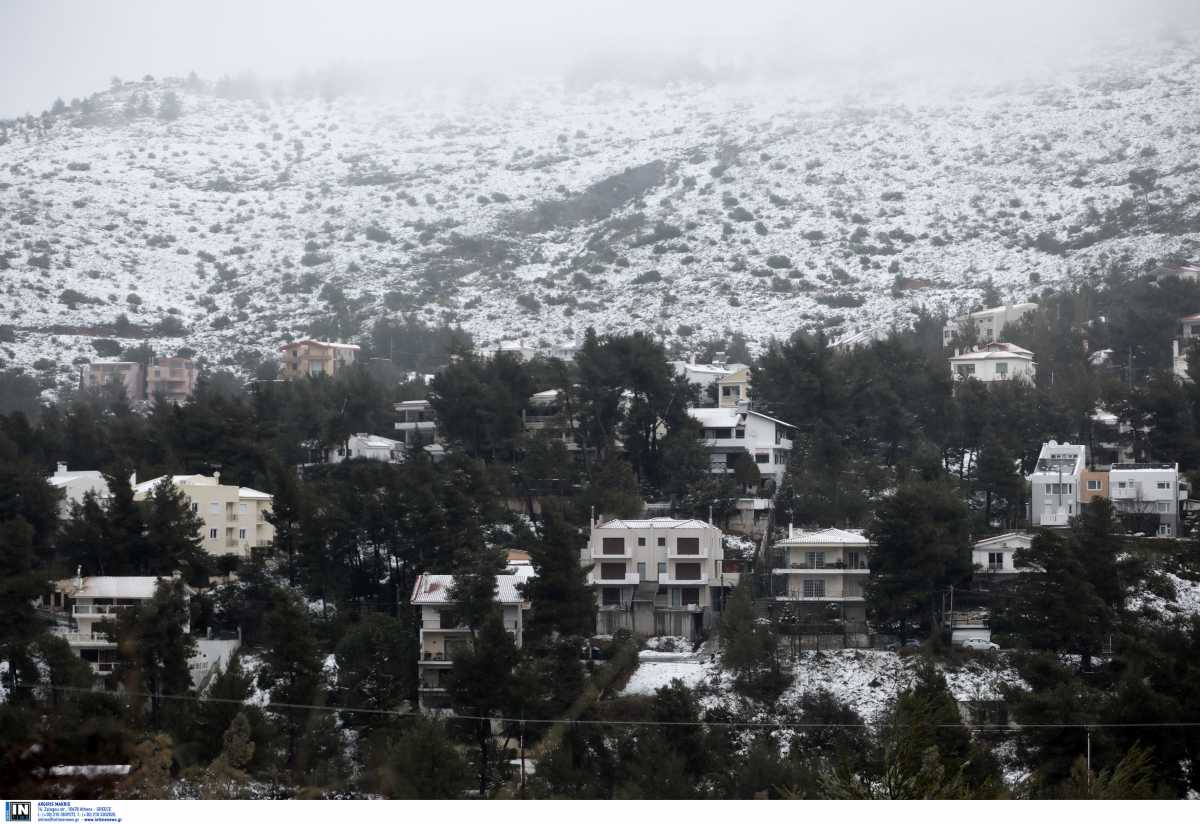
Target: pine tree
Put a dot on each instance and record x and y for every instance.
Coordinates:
(227, 691)
(226, 776)
(173, 533)
(562, 601)
(421, 762)
(170, 108)
(374, 665)
(291, 668)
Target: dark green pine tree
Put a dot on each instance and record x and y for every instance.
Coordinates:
(921, 535)
(562, 602)
(287, 508)
(375, 664)
(227, 693)
(419, 762)
(1003, 489)
(125, 528)
(173, 533)
(291, 669)
(154, 646)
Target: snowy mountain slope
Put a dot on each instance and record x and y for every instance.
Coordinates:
(532, 212)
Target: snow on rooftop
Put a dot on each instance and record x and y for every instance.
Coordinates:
(655, 523)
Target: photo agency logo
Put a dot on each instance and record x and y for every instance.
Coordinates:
(18, 810)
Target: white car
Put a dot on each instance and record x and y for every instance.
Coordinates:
(978, 643)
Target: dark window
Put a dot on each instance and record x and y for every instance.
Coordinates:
(724, 433)
(762, 457)
(610, 596)
(687, 572)
(662, 541)
(613, 546)
(612, 572)
(641, 541)
(690, 595)
(687, 546)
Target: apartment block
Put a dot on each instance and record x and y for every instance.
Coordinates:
(657, 576)
(733, 388)
(730, 431)
(172, 379)
(313, 358)
(814, 570)
(104, 373)
(988, 324)
(443, 636)
(234, 516)
(1151, 489)
(1057, 484)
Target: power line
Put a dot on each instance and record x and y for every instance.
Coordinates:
(778, 724)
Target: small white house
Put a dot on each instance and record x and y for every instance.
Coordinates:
(994, 556)
(994, 362)
(370, 447)
(75, 484)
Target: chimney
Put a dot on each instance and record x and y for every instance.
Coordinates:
(791, 530)
(217, 477)
(79, 577)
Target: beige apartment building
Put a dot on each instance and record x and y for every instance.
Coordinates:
(814, 570)
(443, 635)
(733, 388)
(657, 576)
(311, 358)
(104, 373)
(174, 379)
(234, 516)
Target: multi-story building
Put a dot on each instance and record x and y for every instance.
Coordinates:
(705, 375)
(234, 516)
(1153, 489)
(172, 379)
(1057, 484)
(443, 635)
(733, 388)
(1190, 333)
(312, 358)
(75, 485)
(104, 373)
(988, 324)
(994, 362)
(813, 570)
(416, 422)
(656, 576)
(730, 431)
(993, 558)
(544, 412)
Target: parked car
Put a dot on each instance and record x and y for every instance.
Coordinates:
(978, 644)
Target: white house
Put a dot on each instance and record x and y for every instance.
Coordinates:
(77, 605)
(416, 422)
(705, 374)
(989, 324)
(993, 557)
(1190, 333)
(76, 484)
(656, 576)
(994, 362)
(729, 431)
(1149, 489)
(234, 516)
(443, 634)
(823, 567)
(369, 447)
(1057, 484)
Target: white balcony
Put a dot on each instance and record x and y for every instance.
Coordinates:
(674, 554)
(820, 599)
(1054, 519)
(827, 569)
(667, 581)
(628, 579)
(598, 553)
(85, 639)
(99, 609)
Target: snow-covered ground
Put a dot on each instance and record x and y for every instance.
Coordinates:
(1185, 604)
(758, 207)
(867, 680)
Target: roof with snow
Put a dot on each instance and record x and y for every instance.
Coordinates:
(110, 586)
(1006, 538)
(995, 351)
(61, 479)
(826, 537)
(376, 441)
(728, 416)
(655, 523)
(435, 589)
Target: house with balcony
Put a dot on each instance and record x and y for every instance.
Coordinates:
(104, 373)
(416, 422)
(234, 517)
(443, 634)
(657, 576)
(733, 388)
(313, 358)
(1189, 334)
(1057, 484)
(1154, 491)
(816, 571)
(994, 362)
(545, 412)
(172, 379)
(986, 325)
(994, 558)
(75, 484)
(706, 375)
(731, 431)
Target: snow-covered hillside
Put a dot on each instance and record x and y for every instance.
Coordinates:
(533, 211)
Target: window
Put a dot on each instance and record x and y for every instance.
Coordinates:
(662, 567)
(855, 560)
(1001, 370)
(687, 572)
(1164, 506)
(641, 570)
(1093, 486)
(610, 597)
(212, 533)
(243, 508)
(690, 595)
(641, 541)
(965, 369)
(723, 433)
(662, 541)
(1164, 529)
(214, 507)
(612, 572)
(762, 457)
(813, 588)
(195, 507)
(816, 560)
(1164, 484)
(613, 546)
(241, 534)
(995, 561)
(687, 546)
(740, 433)
(1120, 485)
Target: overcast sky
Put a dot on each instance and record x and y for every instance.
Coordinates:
(70, 48)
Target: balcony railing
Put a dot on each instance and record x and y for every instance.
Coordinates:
(666, 580)
(84, 638)
(99, 609)
(628, 579)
